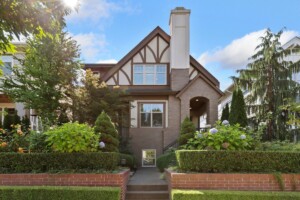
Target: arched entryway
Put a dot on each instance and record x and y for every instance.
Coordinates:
(199, 112)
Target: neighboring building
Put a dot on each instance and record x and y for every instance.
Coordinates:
(166, 84)
(9, 61)
(294, 57)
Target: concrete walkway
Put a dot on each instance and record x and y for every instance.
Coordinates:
(147, 176)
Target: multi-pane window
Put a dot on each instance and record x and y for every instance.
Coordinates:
(151, 114)
(150, 74)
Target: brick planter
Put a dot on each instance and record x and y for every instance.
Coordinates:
(115, 180)
(216, 181)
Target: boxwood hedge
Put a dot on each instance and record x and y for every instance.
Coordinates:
(238, 161)
(59, 193)
(232, 195)
(165, 161)
(52, 162)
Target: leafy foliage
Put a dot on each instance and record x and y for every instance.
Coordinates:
(58, 193)
(225, 113)
(28, 17)
(238, 109)
(279, 146)
(91, 98)
(108, 132)
(130, 161)
(227, 137)
(187, 130)
(57, 162)
(238, 161)
(232, 195)
(47, 74)
(72, 137)
(10, 120)
(166, 160)
(269, 80)
(13, 140)
(37, 142)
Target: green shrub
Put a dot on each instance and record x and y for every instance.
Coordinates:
(225, 137)
(37, 142)
(232, 195)
(130, 161)
(238, 109)
(238, 161)
(279, 146)
(109, 134)
(55, 162)
(166, 160)
(187, 130)
(72, 137)
(58, 193)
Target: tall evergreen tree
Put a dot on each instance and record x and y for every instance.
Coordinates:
(232, 113)
(108, 133)
(225, 113)
(269, 80)
(238, 109)
(187, 131)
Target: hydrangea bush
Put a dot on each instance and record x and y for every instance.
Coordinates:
(223, 137)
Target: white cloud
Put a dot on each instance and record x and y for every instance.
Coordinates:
(91, 45)
(108, 61)
(236, 54)
(94, 10)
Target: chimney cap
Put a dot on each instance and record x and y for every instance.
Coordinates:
(179, 10)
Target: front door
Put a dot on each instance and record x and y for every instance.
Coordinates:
(149, 158)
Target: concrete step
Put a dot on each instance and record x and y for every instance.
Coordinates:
(147, 187)
(157, 195)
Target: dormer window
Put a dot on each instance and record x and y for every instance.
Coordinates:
(149, 74)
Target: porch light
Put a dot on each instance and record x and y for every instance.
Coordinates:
(197, 99)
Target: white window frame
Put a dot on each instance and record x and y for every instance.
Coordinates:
(144, 73)
(151, 115)
(154, 158)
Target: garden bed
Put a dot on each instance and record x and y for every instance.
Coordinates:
(58, 193)
(233, 181)
(43, 179)
(232, 195)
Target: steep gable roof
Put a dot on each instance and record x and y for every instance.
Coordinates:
(159, 32)
(136, 49)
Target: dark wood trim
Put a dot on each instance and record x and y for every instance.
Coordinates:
(118, 77)
(152, 51)
(131, 63)
(204, 72)
(125, 75)
(145, 55)
(142, 57)
(162, 53)
(190, 75)
(114, 79)
(157, 49)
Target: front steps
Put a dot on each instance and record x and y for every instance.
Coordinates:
(147, 192)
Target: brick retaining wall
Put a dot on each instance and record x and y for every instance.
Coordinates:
(115, 180)
(216, 181)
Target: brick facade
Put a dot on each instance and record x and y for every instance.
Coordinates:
(114, 180)
(254, 182)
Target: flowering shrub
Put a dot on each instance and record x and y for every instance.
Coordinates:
(72, 137)
(14, 140)
(223, 137)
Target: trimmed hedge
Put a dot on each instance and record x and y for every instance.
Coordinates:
(130, 162)
(58, 193)
(53, 162)
(232, 195)
(165, 161)
(238, 161)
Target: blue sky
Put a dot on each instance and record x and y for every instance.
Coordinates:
(223, 33)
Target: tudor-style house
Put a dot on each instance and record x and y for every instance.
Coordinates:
(165, 84)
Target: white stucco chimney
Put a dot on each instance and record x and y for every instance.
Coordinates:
(180, 38)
